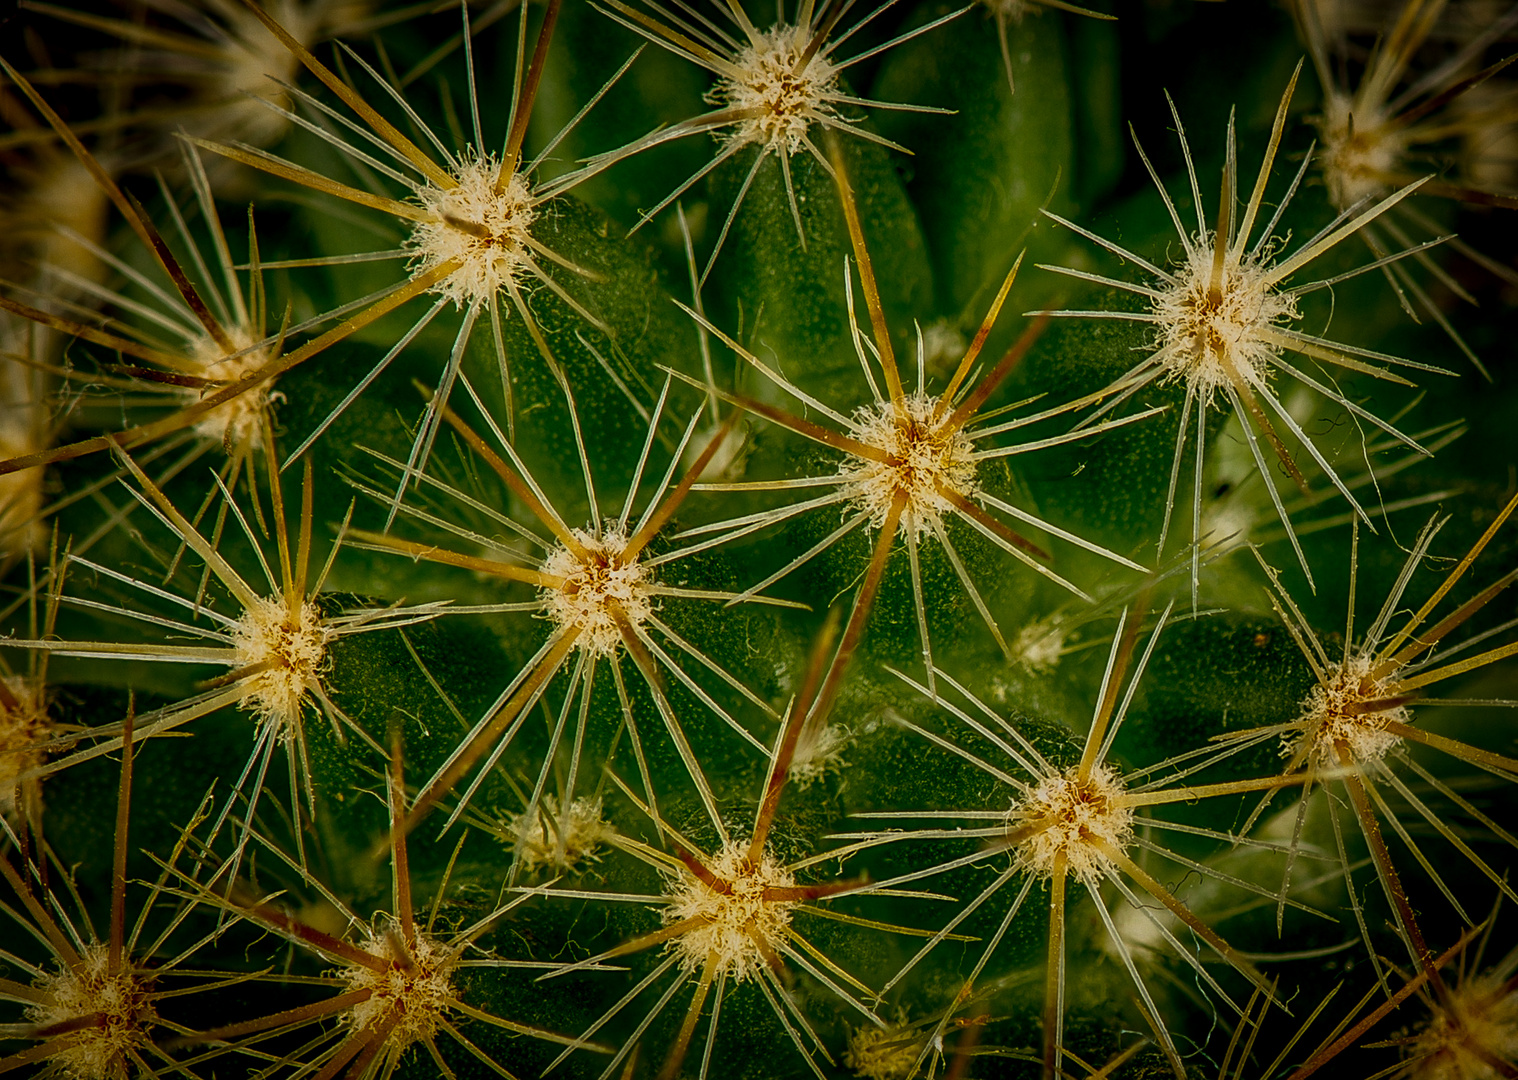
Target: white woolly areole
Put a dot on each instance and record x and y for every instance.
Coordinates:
(1227, 520)
(595, 591)
(1039, 645)
(536, 836)
(251, 64)
(888, 1053)
(22, 730)
(486, 230)
(943, 346)
(1361, 151)
(818, 752)
(925, 458)
(102, 1050)
(1333, 715)
(785, 102)
(235, 423)
(252, 58)
(293, 643)
(732, 922)
(1202, 335)
(1065, 814)
(1478, 1027)
(414, 990)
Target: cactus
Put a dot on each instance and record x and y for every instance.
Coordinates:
(662, 539)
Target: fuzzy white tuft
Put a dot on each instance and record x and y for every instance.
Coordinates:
(783, 102)
(535, 837)
(238, 423)
(942, 346)
(884, 1053)
(1064, 814)
(819, 752)
(594, 593)
(1362, 151)
(927, 457)
(733, 923)
(289, 646)
(487, 230)
(413, 991)
(1211, 338)
(119, 1005)
(1039, 645)
(1334, 714)
(1474, 1028)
